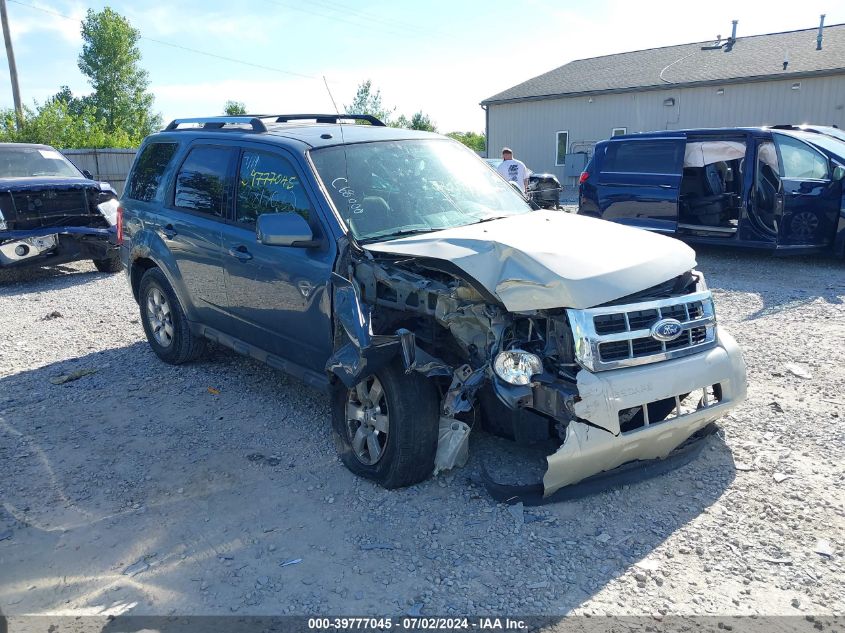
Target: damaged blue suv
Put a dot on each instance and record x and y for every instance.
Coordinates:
(395, 270)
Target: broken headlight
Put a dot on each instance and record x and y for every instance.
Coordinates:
(516, 366)
(109, 210)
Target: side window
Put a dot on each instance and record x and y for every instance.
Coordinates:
(562, 144)
(149, 168)
(201, 181)
(268, 183)
(644, 157)
(799, 160)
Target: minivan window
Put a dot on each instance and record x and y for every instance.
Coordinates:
(201, 181)
(149, 168)
(268, 183)
(645, 157)
(800, 161)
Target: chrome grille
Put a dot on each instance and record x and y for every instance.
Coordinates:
(620, 336)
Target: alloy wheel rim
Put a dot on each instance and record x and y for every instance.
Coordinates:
(367, 420)
(159, 317)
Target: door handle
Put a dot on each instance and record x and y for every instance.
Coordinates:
(240, 252)
(665, 186)
(169, 232)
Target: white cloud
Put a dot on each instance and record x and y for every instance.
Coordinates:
(25, 21)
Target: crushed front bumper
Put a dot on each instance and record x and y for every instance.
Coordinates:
(55, 245)
(598, 444)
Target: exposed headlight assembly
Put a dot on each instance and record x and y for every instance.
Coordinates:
(516, 366)
(109, 210)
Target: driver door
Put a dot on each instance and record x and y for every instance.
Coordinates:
(278, 296)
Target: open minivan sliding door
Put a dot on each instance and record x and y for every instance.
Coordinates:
(639, 182)
(811, 198)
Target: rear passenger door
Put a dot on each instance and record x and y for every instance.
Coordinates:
(639, 182)
(193, 227)
(277, 295)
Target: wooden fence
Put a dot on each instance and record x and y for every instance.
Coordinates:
(109, 165)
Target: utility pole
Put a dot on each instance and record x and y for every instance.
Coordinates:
(13, 69)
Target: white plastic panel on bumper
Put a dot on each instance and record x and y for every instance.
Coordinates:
(588, 450)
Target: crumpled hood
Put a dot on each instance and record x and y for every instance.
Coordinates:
(47, 182)
(552, 259)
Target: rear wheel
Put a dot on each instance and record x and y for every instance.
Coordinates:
(386, 426)
(109, 264)
(165, 325)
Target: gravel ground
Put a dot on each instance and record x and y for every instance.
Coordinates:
(214, 488)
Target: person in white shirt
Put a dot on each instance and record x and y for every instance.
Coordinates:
(513, 170)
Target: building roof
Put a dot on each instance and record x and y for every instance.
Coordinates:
(753, 57)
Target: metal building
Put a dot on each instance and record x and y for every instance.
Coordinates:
(553, 121)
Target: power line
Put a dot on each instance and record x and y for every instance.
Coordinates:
(179, 46)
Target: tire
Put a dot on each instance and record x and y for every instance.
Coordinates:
(165, 325)
(111, 264)
(405, 453)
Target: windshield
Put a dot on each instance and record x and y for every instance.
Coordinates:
(393, 188)
(25, 162)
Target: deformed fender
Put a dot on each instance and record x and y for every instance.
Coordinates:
(365, 353)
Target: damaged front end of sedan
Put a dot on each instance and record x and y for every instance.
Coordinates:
(50, 213)
(615, 355)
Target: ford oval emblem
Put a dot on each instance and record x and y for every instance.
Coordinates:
(666, 330)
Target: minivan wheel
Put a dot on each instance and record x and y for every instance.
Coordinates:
(109, 264)
(165, 325)
(385, 427)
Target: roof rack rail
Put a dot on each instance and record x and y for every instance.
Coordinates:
(321, 118)
(217, 122)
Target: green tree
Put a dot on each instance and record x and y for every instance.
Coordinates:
(368, 101)
(54, 123)
(418, 121)
(473, 140)
(110, 59)
(234, 108)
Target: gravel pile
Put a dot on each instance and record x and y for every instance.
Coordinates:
(132, 486)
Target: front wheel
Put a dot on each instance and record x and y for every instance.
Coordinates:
(386, 426)
(110, 264)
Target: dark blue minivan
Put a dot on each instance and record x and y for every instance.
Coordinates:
(773, 188)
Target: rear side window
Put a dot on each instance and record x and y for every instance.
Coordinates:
(268, 183)
(800, 161)
(201, 181)
(149, 168)
(644, 157)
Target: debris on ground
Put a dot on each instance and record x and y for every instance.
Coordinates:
(823, 547)
(798, 370)
(292, 561)
(74, 375)
(141, 565)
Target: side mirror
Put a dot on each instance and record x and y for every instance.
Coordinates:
(838, 173)
(88, 174)
(284, 229)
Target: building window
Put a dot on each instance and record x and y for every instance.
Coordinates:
(562, 144)
(619, 131)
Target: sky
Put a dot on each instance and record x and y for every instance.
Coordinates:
(441, 57)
